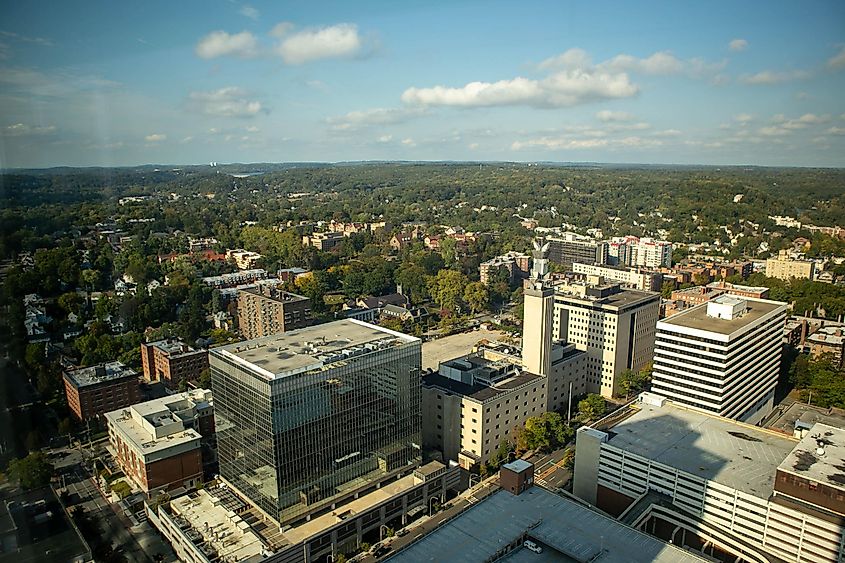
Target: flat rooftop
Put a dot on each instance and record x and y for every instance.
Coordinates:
(621, 300)
(807, 415)
(697, 317)
(819, 456)
(314, 347)
(718, 449)
(164, 416)
(477, 391)
(172, 347)
(101, 373)
(217, 525)
(567, 530)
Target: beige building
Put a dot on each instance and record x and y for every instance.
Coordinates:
(630, 277)
(472, 405)
(785, 268)
(244, 259)
(614, 326)
(323, 241)
(265, 310)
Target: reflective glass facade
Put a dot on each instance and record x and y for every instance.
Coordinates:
(294, 443)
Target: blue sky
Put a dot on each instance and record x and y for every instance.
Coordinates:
(112, 83)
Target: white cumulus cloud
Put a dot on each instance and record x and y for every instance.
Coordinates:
(225, 102)
(565, 88)
(336, 41)
(220, 44)
(743, 117)
(662, 62)
(738, 45)
(155, 137)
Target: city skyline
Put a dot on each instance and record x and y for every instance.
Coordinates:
(755, 83)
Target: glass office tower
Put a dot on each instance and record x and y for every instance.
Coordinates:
(308, 416)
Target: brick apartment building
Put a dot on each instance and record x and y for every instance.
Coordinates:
(164, 443)
(96, 390)
(268, 310)
(170, 361)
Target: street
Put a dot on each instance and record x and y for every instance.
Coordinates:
(549, 472)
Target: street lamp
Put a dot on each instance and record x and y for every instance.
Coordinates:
(431, 506)
(382, 531)
(471, 475)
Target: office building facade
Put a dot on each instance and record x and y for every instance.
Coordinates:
(615, 327)
(570, 247)
(311, 417)
(722, 356)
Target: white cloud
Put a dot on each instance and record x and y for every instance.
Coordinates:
(743, 118)
(219, 44)
(785, 126)
(385, 138)
(573, 58)
(607, 116)
(187, 139)
(838, 60)
(738, 45)
(22, 130)
(472, 146)
(568, 143)
(252, 129)
(249, 12)
(376, 116)
(337, 41)
(409, 142)
(226, 102)
(564, 88)
(773, 131)
(155, 138)
(773, 77)
(836, 131)
(667, 133)
(662, 62)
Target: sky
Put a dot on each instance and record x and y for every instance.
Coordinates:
(103, 83)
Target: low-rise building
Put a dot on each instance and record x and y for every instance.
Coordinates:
(96, 390)
(783, 267)
(629, 277)
(265, 310)
(244, 259)
(516, 265)
(236, 278)
(171, 361)
(159, 444)
(323, 241)
(828, 340)
(471, 405)
(703, 480)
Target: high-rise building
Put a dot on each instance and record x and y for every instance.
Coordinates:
(732, 490)
(571, 247)
(172, 361)
(96, 390)
(266, 310)
(316, 416)
(614, 326)
(643, 252)
(722, 356)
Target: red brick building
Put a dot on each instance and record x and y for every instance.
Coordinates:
(170, 361)
(96, 390)
(164, 443)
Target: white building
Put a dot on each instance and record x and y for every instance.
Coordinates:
(630, 277)
(614, 326)
(636, 251)
(715, 484)
(722, 356)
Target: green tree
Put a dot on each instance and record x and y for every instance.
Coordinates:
(593, 407)
(632, 382)
(31, 472)
(476, 297)
(447, 289)
(544, 433)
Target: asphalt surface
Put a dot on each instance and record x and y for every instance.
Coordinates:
(549, 472)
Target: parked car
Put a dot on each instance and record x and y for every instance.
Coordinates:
(533, 546)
